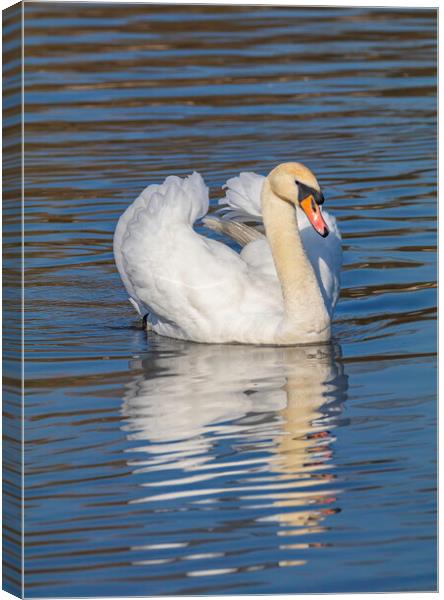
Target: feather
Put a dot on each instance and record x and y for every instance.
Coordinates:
(239, 232)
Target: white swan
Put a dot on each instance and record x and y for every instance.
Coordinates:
(282, 287)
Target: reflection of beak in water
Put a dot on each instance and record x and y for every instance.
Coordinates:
(187, 397)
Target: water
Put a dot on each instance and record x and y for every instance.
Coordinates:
(155, 466)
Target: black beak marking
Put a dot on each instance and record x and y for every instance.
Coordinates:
(306, 190)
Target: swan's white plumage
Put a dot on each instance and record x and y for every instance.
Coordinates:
(176, 201)
(244, 193)
(197, 288)
(192, 286)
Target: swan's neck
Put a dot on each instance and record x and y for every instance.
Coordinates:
(303, 302)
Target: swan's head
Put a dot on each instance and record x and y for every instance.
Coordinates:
(295, 183)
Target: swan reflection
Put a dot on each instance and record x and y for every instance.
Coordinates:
(272, 410)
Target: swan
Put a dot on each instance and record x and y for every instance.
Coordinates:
(280, 289)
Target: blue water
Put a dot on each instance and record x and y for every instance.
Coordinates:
(154, 466)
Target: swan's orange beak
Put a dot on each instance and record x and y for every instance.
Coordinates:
(313, 212)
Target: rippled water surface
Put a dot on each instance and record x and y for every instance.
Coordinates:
(155, 466)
